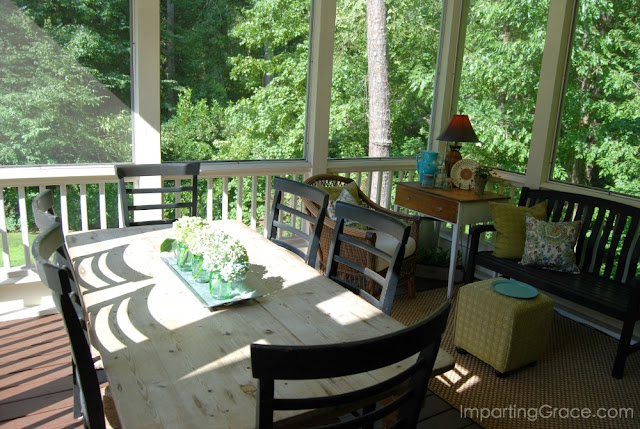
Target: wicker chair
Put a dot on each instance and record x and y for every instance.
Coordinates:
(407, 274)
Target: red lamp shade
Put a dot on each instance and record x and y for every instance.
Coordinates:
(459, 130)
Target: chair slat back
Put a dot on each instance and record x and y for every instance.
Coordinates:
(271, 363)
(283, 217)
(59, 280)
(45, 216)
(177, 170)
(381, 223)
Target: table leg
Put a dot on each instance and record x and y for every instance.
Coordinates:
(452, 257)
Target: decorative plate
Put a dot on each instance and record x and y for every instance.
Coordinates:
(462, 173)
(514, 289)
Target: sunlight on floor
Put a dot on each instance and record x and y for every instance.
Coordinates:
(459, 376)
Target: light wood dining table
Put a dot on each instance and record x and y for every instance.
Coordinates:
(173, 363)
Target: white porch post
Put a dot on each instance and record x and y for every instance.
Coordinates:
(555, 60)
(145, 84)
(320, 68)
(448, 69)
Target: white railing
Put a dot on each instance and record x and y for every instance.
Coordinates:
(82, 186)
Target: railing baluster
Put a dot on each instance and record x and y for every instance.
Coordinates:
(225, 198)
(84, 218)
(6, 263)
(64, 210)
(102, 203)
(267, 203)
(368, 187)
(239, 199)
(24, 225)
(254, 205)
(209, 198)
(120, 214)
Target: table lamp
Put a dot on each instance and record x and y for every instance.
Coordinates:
(459, 130)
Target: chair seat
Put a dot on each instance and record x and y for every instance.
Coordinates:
(387, 244)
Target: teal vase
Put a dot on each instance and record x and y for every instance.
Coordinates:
(224, 290)
(184, 258)
(198, 272)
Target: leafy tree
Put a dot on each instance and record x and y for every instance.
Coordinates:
(196, 45)
(501, 72)
(95, 33)
(598, 143)
(269, 122)
(51, 107)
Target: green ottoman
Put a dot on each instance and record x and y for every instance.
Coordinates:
(505, 332)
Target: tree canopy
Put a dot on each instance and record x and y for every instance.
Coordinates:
(234, 82)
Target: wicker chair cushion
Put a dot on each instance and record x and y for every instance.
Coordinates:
(387, 244)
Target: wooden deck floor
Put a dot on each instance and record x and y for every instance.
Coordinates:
(36, 387)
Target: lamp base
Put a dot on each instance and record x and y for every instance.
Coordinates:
(452, 157)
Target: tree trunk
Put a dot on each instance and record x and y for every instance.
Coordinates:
(170, 51)
(379, 112)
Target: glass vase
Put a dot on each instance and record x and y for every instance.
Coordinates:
(184, 258)
(223, 290)
(198, 272)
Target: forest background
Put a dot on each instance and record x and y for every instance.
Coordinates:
(234, 83)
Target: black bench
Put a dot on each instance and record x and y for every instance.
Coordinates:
(607, 253)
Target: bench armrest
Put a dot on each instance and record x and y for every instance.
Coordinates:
(634, 301)
(475, 232)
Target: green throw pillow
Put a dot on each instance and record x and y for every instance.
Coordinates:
(550, 244)
(510, 227)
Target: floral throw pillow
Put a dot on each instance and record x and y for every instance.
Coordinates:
(551, 244)
(344, 196)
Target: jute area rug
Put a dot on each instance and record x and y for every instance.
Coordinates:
(570, 387)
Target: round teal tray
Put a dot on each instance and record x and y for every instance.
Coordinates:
(514, 289)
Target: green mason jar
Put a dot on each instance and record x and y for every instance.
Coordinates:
(184, 257)
(198, 272)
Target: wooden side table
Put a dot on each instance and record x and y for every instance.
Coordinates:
(456, 206)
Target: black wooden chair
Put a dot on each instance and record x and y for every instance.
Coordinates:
(280, 210)
(59, 279)
(177, 170)
(404, 392)
(378, 223)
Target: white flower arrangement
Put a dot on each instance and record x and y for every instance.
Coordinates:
(227, 257)
(184, 228)
(221, 253)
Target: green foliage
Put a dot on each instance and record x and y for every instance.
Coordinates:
(437, 256)
(51, 107)
(598, 143)
(501, 70)
(191, 133)
(16, 248)
(234, 77)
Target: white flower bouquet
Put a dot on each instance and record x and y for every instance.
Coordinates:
(224, 256)
(227, 257)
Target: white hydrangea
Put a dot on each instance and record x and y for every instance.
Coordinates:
(221, 253)
(185, 227)
(203, 237)
(227, 257)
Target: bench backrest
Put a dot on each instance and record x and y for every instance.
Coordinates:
(609, 242)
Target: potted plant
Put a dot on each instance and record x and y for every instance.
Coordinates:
(481, 175)
(433, 263)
